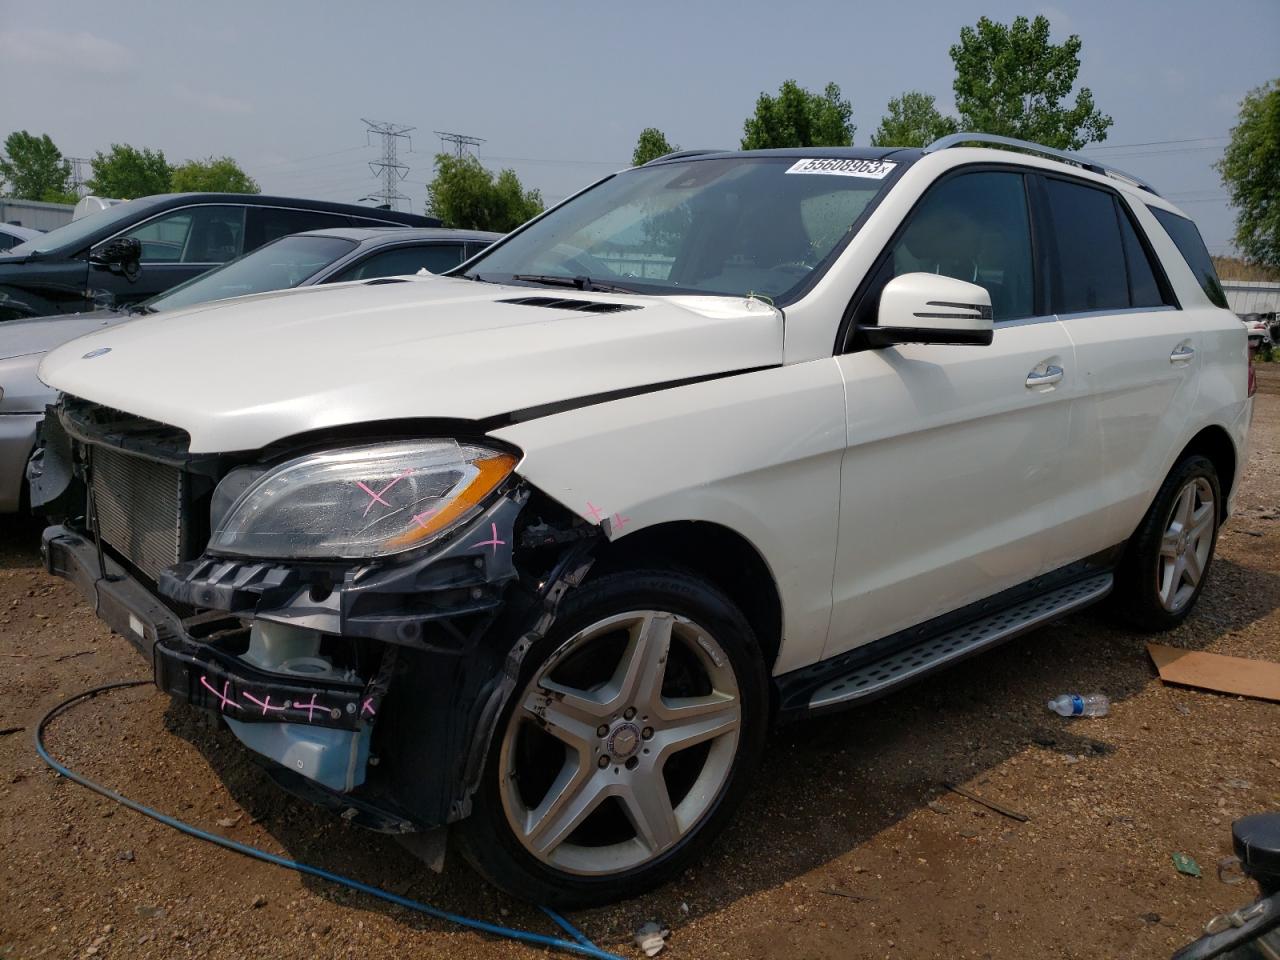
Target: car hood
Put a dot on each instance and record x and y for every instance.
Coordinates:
(39, 334)
(242, 374)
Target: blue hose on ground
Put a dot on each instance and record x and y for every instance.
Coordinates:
(580, 944)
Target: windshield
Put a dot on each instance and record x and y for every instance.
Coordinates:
(724, 225)
(78, 232)
(279, 265)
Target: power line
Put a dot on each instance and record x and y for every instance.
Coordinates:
(1148, 143)
(461, 142)
(389, 168)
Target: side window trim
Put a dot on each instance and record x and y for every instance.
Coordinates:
(871, 283)
(1121, 207)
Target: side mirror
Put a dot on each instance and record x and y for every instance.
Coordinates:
(930, 308)
(119, 252)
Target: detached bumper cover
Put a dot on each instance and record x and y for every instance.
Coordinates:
(195, 672)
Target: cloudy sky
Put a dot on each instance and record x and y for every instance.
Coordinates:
(559, 90)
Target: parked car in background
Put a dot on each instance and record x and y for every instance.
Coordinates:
(1256, 326)
(135, 250)
(300, 260)
(11, 235)
(538, 550)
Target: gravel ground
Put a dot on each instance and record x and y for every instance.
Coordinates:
(847, 847)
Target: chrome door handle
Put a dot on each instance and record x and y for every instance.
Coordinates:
(1182, 353)
(1052, 374)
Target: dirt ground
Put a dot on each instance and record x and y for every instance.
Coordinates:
(848, 846)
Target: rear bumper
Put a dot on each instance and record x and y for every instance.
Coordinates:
(17, 440)
(193, 671)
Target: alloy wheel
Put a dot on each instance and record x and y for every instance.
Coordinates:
(621, 743)
(1185, 544)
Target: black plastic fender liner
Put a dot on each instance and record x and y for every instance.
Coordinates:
(569, 573)
(441, 713)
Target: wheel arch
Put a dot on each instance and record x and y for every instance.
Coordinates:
(1215, 444)
(720, 555)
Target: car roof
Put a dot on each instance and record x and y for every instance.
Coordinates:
(164, 200)
(374, 236)
(905, 154)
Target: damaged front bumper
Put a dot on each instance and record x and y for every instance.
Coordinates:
(373, 689)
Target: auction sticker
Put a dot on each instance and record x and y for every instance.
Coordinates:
(835, 167)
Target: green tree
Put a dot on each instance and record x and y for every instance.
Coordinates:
(214, 175)
(466, 196)
(652, 144)
(798, 118)
(912, 120)
(126, 172)
(32, 168)
(1250, 169)
(1012, 81)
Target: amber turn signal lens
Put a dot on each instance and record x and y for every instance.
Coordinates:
(491, 471)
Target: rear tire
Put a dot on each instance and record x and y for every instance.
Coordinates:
(629, 741)
(1166, 563)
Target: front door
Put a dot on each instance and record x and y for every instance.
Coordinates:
(176, 246)
(958, 479)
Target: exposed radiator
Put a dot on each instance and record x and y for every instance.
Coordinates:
(139, 508)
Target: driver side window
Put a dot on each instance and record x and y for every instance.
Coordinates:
(974, 227)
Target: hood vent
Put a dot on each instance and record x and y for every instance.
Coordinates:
(562, 303)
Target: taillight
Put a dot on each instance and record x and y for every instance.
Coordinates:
(1253, 379)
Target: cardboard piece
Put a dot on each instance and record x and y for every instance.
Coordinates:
(1212, 671)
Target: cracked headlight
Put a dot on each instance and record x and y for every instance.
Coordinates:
(356, 503)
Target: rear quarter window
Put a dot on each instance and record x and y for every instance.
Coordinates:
(1190, 244)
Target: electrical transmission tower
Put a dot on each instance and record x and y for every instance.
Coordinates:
(389, 168)
(461, 142)
(78, 165)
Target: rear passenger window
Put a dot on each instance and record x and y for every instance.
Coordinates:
(1144, 289)
(1091, 265)
(435, 257)
(974, 227)
(1187, 239)
(270, 223)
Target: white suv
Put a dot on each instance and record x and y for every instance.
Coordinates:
(540, 549)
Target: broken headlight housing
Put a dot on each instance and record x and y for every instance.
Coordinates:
(355, 503)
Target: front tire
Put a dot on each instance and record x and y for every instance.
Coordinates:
(1167, 561)
(627, 745)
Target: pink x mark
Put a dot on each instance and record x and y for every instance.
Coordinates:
(619, 521)
(221, 696)
(367, 707)
(426, 513)
(265, 706)
(495, 542)
(311, 707)
(594, 511)
(377, 497)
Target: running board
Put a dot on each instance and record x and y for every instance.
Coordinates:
(874, 679)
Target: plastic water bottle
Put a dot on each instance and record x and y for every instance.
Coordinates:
(1074, 705)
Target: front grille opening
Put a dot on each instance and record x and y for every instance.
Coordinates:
(565, 303)
(138, 509)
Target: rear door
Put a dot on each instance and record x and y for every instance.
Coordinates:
(958, 479)
(1136, 350)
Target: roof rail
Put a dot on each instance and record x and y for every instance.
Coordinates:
(681, 154)
(958, 139)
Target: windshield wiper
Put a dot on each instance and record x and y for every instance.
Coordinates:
(139, 310)
(578, 283)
